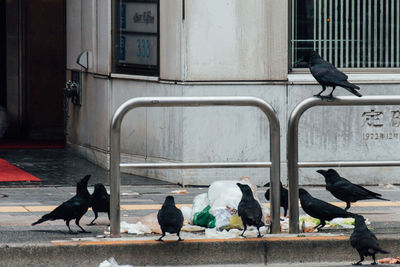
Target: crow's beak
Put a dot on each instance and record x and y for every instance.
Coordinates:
(323, 172)
(267, 185)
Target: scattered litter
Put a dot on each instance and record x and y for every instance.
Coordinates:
(192, 228)
(130, 194)
(390, 260)
(179, 192)
(187, 213)
(213, 233)
(136, 228)
(151, 222)
(111, 262)
(216, 207)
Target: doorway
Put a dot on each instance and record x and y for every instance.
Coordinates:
(34, 71)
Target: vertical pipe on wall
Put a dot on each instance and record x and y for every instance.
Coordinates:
(375, 33)
(341, 33)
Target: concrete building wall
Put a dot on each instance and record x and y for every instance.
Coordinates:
(210, 48)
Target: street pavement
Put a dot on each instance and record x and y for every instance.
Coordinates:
(23, 203)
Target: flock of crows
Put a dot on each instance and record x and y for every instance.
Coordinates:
(171, 218)
(362, 239)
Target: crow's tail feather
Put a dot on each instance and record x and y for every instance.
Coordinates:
(381, 198)
(382, 251)
(43, 219)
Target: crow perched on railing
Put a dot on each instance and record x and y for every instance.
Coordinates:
(73, 208)
(345, 190)
(327, 75)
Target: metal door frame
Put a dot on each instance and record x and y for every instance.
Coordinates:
(115, 143)
(292, 149)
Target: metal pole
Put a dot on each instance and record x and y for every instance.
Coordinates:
(115, 131)
(292, 150)
(196, 165)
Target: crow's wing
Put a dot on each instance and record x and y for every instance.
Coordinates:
(322, 210)
(327, 73)
(251, 210)
(351, 192)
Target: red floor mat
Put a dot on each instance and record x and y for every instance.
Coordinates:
(11, 173)
(29, 144)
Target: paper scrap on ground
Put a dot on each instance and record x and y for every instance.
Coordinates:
(111, 262)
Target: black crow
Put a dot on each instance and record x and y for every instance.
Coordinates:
(100, 201)
(249, 209)
(284, 197)
(73, 208)
(170, 218)
(364, 241)
(346, 191)
(320, 209)
(327, 75)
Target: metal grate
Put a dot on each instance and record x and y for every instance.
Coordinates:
(347, 33)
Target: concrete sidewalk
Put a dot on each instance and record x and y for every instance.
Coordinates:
(49, 244)
(20, 241)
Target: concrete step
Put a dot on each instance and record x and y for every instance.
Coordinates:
(273, 249)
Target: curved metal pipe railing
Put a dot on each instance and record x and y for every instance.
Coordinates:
(292, 149)
(115, 143)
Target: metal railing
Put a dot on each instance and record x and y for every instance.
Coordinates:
(292, 150)
(115, 132)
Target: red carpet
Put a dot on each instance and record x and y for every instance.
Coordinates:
(10, 173)
(29, 144)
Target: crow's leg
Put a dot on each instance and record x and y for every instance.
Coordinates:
(330, 96)
(244, 230)
(321, 224)
(259, 234)
(348, 204)
(160, 239)
(323, 89)
(180, 239)
(361, 259)
(70, 231)
(373, 257)
(95, 217)
(77, 223)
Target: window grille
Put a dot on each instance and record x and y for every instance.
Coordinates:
(347, 33)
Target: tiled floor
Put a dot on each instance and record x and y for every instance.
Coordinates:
(60, 167)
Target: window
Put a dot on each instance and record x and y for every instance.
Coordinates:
(136, 37)
(347, 33)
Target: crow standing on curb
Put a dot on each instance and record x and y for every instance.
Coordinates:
(346, 191)
(100, 201)
(170, 218)
(249, 209)
(364, 241)
(73, 208)
(284, 197)
(320, 209)
(327, 75)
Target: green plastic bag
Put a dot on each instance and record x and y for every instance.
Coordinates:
(204, 218)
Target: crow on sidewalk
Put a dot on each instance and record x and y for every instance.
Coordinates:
(73, 208)
(249, 209)
(320, 209)
(284, 197)
(327, 75)
(170, 218)
(346, 191)
(99, 201)
(364, 241)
